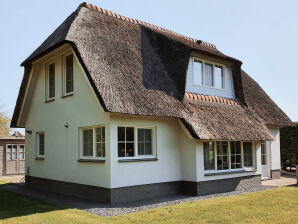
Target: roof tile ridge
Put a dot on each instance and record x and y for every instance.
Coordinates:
(212, 99)
(135, 21)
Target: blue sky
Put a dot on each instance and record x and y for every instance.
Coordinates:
(262, 34)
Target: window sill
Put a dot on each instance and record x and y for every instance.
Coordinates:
(229, 172)
(50, 100)
(92, 160)
(137, 160)
(39, 158)
(67, 95)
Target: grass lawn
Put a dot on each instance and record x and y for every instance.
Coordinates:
(271, 206)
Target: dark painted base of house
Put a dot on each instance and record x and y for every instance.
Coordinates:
(141, 192)
(275, 174)
(221, 185)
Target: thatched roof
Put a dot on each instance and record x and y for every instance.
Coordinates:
(140, 69)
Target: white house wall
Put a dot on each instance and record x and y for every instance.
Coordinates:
(168, 166)
(188, 157)
(275, 148)
(227, 92)
(61, 143)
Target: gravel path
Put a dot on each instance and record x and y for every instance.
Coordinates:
(123, 208)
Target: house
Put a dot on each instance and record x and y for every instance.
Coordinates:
(12, 154)
(116, 109)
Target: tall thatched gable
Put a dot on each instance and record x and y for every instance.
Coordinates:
(138, 68)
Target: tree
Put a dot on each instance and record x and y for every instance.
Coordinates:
(4, 125)
(289, 146)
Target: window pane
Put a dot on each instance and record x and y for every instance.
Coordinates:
(264, 153)
(197, 72)
(129, 134)
(21, 152)
(121, 133)
(209, 156)
(141, 148)
(141, 135)
(9, 148)
(148, 148)
(8, 152)
(100, 149)
(52, 80)
(69, 74)
(88, 142)
(121, 149)
(222, 155)
(21, 148)
(41, 144)
(247, 154)
(208, 74)
(148, 134)
(145, 141)
(100, 134)
(130, 149)
(218, 76)
(235, 155)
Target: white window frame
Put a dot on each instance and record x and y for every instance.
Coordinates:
(203, 61)
(154, 150)
(81, 148)
(64, 73)
(47, 83)
(38, 155)
(243, 168)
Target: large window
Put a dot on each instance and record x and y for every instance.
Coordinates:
(93, 142)
(68, 77)
(208, 74)
(224, 155)
(50, 80)
(40, 144)
(135, 142)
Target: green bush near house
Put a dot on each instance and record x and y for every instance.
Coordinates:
(289, 146)
(271, 206)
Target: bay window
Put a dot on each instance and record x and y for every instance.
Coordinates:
(93, 142)
(225, 155)
(135, 142)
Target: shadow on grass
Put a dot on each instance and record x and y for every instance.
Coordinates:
(14, 205)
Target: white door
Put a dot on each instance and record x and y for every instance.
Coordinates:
(265, 161)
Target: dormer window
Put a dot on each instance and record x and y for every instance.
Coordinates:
(208, 74)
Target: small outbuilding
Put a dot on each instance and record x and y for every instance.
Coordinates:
(12, 154)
